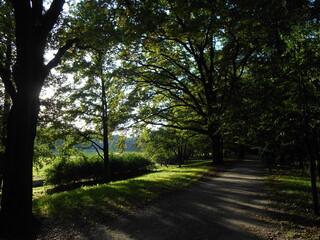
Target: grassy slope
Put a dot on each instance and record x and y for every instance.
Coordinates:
(118, 197)
(290, 193)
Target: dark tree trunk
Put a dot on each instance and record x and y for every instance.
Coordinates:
(5, 114)
(6, 110)
(216, 144)
(317, 152)
(28, 75)
(16, 205)
(31, 32)
(106, 163)
(180, 155)
(240, 151)
(1, 168)
(313, 178)
(314, 186)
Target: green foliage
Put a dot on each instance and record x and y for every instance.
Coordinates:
(275, 106)
(121, 143)
(118, 197)
(68, 171)
(84, 167)
(129, 162)
(167, 146)
(43, 155)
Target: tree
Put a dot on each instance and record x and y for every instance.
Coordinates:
(192, 56)
(96, 98)
(167, 145)
(280, 90)
(94, 103)
(302, 50)
(33, 25)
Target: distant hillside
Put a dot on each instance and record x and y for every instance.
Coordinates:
(129, 143)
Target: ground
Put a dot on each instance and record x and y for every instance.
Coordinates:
(231, 205)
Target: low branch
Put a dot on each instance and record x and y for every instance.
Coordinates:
(97, 150)
(57, 58)
(198, 130)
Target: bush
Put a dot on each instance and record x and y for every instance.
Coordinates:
(66, 171)
(129, 162)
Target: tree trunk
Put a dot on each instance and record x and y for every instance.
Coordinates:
(16, 204)
(314, 186)
(313, 179)
(180, 155)
(105, 124)
(6, 111)
(216, 145)
(317, 152)
(106, 160)
(1, 168)
(5, 115)
(33, 26)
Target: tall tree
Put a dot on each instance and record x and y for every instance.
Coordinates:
(94, 103)
(33, 24)
(193, 54)
(95, 95)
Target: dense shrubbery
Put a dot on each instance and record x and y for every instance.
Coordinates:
(66, 171)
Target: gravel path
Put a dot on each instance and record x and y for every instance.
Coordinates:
(230, 206)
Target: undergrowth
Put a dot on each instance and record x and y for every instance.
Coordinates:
(84, 167)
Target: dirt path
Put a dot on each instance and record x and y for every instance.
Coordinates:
(226, 207)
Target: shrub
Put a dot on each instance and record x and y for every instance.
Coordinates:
(129, 162)
(66, 171)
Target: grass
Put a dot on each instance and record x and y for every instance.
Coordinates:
(118, 197)
(290, 193)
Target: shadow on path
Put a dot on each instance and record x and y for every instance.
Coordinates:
(225, 207)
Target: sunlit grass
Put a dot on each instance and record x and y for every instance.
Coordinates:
(121, 196)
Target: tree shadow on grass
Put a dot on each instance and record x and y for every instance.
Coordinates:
(222, 209)
(291, 198)
(198, 207)
(84, 183)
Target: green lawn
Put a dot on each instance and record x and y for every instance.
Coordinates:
(292, 206)
(118, 197)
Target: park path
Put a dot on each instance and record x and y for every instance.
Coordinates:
(225, 207)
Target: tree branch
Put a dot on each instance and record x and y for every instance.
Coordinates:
(10, 88)
(198, 130)
(57, 59)
(51, 16)
(37, 6)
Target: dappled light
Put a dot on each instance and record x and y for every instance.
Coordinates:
(218, 206)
